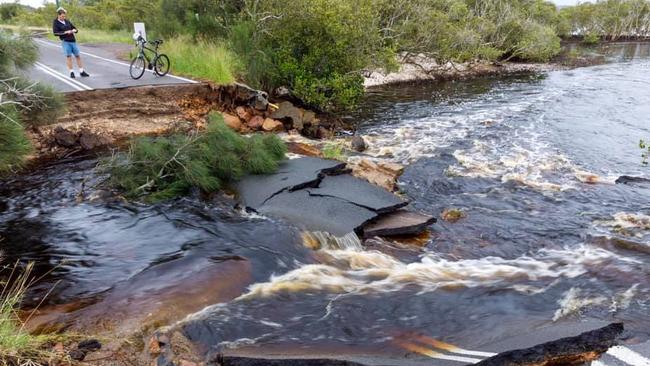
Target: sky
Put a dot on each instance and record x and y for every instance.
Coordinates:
(37, 3)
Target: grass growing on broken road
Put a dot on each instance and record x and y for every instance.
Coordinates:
(161, 168)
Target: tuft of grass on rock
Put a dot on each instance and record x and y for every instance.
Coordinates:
(334, 151)
(155, 169)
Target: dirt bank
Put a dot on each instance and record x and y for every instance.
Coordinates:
(108, 117)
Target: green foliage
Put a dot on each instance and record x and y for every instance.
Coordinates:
(14, 145)
(201, 59)
(334, 151)
(591, 38)
(160, 168)
(608, 18)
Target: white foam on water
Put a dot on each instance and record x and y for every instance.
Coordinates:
(573, 302)
(352, 271)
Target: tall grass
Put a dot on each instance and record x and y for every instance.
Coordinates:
(16, 344)
(201, 59)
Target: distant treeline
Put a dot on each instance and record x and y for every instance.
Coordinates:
(320, 48)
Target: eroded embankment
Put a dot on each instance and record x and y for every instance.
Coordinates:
(107, 117)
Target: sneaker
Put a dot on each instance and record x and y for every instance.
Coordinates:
(84, 74)
(72, 75)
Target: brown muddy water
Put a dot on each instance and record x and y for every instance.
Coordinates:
(548, 239)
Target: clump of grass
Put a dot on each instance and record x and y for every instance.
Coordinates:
(201, 59)
(17, 346)
(160, 168)
(14, 144)
(334, 151)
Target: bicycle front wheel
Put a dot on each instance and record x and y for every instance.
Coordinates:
(161, 65)
(137, 67)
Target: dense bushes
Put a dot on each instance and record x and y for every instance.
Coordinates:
(20, 100)
(160, 168)
(608, 19)
(320, 48)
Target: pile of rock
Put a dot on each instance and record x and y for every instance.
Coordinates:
(285, 117)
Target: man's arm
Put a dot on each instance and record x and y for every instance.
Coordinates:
(56, 28)
(74, 29)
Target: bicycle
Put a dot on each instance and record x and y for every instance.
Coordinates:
(159, 62)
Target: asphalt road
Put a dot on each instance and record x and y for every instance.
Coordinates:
(105, 71)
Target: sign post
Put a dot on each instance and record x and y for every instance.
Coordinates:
(139, 29)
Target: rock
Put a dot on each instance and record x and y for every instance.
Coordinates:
(324, 133)
(303, 149)
(626, 179)
(358, 192)
(358, 144)
(315, 213)
(243, 113)
(89, 140)
(232, 121)
(64, 137)
(77, 354)
(452, 214)
(401, 222)
(271, 125)
(256, 123)
(287, 110)
(292, 175)
(309, 118)
(569, 351)
(282, 92)
(90, 345)
(383, 174)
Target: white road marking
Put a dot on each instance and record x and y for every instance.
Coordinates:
(451, 348)
(117, 62)
(598, 363)
(60, 76)
(628, 356)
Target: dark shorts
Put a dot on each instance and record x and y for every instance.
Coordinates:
(70, 48)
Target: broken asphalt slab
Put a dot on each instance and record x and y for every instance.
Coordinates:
(359, 192)
(401, 222)
(568, 351)
(294, 174)
(316, 195)
(314, 213)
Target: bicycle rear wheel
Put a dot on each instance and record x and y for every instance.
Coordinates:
(161, 65)
(137, 67)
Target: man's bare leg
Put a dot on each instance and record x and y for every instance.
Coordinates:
(68, 62)
(80, 66)
(79, 63)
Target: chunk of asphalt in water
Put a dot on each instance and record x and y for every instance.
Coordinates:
(359, 192)
(315, 213)
(577, 350)
(401, 222)
(292, 175)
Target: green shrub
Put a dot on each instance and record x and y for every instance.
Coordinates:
(164, 167)
(591, 38)
(334, 151)
(537, 43)
(14, 144)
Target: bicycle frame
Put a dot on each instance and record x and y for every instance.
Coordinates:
(142, 53)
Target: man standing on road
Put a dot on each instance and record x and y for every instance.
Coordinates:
(65, 30)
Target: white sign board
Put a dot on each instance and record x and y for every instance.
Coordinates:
(139, 29)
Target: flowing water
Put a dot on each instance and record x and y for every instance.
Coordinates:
(548, 239)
